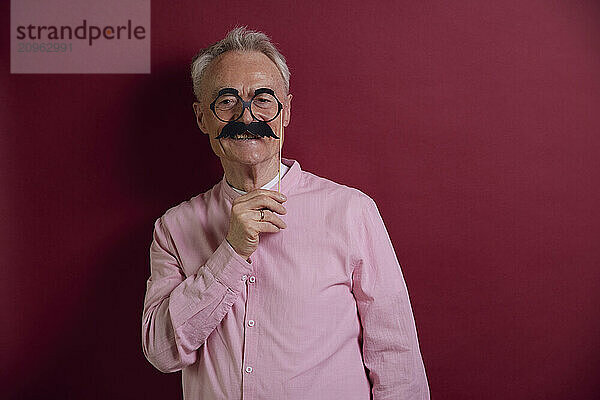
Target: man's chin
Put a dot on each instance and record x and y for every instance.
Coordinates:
(248, 159)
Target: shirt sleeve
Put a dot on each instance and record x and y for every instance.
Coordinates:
(180, 312)
(389, 337)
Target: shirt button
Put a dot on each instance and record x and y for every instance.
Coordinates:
(248, 369)
(252, 279)
(244, 277)
(251, 322)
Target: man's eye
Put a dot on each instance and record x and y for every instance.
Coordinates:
(226, 102)
(263, 101)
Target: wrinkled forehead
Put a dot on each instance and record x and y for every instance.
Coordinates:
(243, 71)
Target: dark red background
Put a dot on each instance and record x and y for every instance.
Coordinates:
(473, 124)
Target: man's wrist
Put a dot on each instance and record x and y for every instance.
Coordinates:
(234, 249)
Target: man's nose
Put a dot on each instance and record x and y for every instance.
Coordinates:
(246, 116)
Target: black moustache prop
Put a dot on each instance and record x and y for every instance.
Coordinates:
(258, 128)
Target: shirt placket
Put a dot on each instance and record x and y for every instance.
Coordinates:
(250, 367)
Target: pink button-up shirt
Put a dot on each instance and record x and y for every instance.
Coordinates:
(321, 311)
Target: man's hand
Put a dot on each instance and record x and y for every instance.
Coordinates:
(245, 221)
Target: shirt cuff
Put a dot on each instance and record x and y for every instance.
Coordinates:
(227, 266)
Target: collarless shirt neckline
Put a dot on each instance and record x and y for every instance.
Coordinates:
(288, 181)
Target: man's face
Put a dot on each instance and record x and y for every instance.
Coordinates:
(246, 72)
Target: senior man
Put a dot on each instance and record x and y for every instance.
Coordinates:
(269, 289)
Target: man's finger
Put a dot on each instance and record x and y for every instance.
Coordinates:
(279, 197)
(261, 202)
(268, 227)
(272, 219)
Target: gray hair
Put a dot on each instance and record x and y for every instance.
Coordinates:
(242, 39)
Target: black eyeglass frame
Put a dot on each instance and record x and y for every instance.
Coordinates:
(246, 104)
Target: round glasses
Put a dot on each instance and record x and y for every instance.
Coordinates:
(229, 106)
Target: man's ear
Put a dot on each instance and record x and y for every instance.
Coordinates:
(287, 110)
(200, 118)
